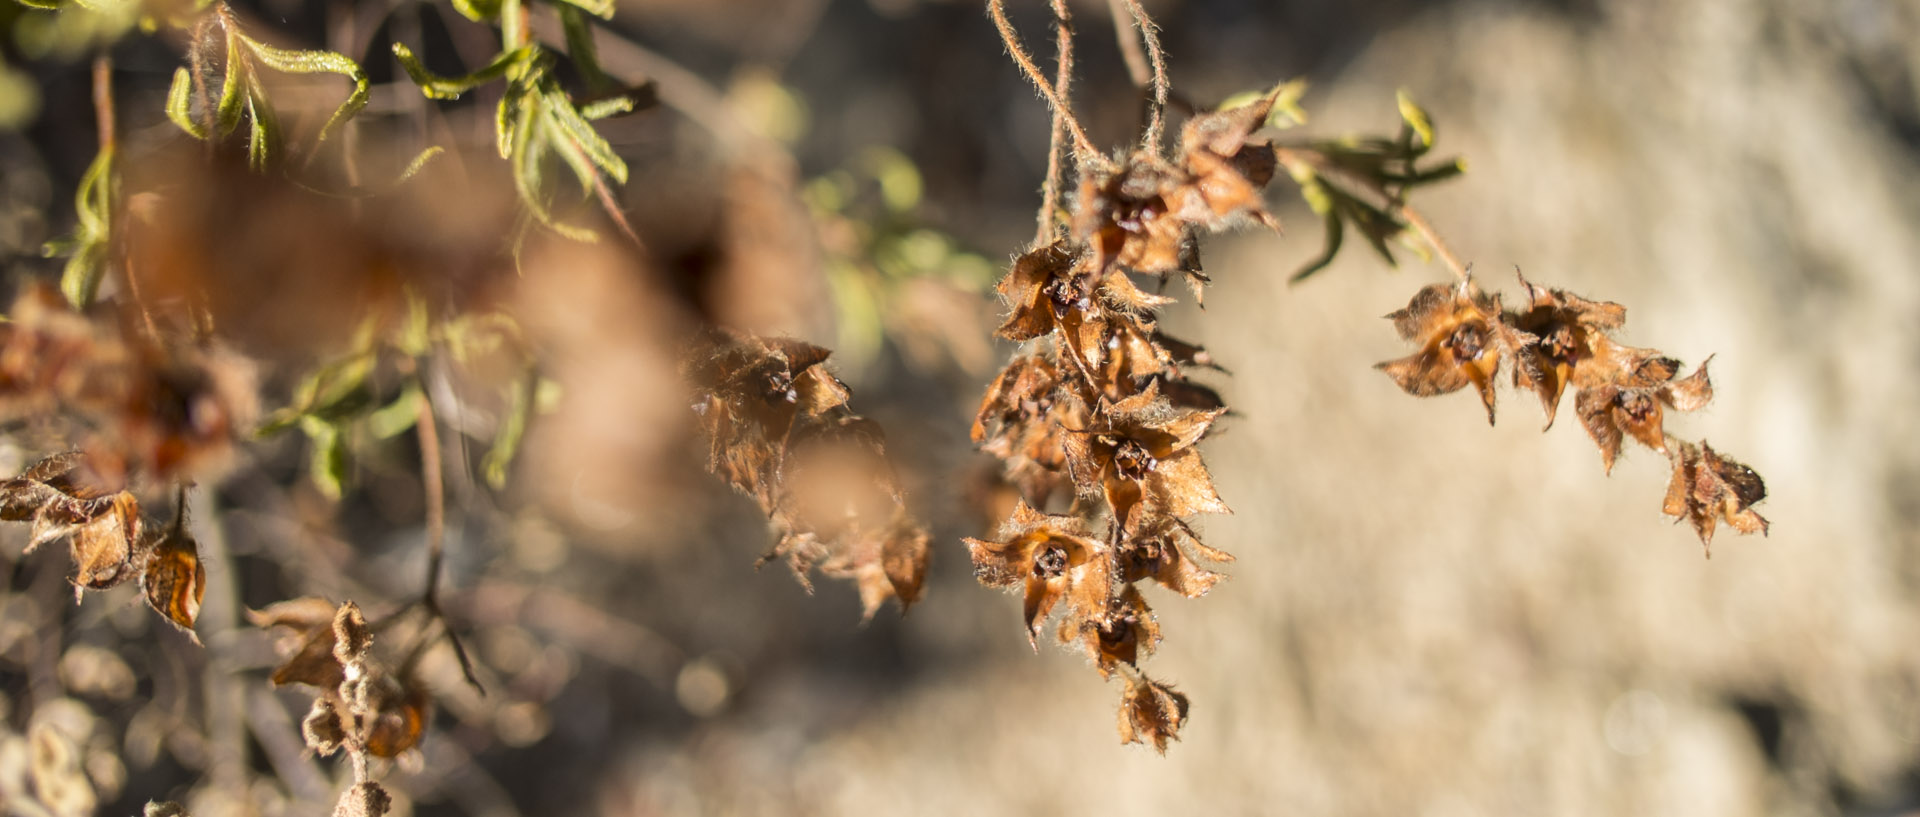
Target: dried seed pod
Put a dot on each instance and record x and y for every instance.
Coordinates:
(175, 581)
(1151, 712)
(1053, 559)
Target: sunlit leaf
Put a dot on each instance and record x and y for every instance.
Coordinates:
(318, 62)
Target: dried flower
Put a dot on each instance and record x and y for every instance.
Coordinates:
(1461, 338)
(1707, 489)
(1053, 559)
(1151, 711)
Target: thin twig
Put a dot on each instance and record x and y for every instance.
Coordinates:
(1425, 228)
(108, 131)
(429, 432)
(1083, 146)
(1062, 81)
(1130, 50)
(1157, 111)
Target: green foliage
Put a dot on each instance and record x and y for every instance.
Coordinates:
(1361, 183)
(536, 121)
(242, 92)
(88, 247)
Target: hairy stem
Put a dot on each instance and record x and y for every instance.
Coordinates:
(1083, 146)
(1130, 50)
(1157, 111)
(1063, 79)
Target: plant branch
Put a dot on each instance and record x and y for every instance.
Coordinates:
(1307, 159)
(1130, 50)
(1157, 111)
(1419, 224)
(429, 433)
(1063, 79)
(1083, 146)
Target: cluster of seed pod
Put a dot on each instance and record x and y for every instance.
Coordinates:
(1098, 406)
(64, 496)
(1621, 392)
(778, 429)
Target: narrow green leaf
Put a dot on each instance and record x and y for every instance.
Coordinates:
(80, 279)
(435, 86)
(318, 62)
(233, 92)
(1335, 233)
(602, 9)
(506, 442)
(506, 118)
(260, 136)
(1416, 118)
(394, 418)
(93, 206)
(180, 104)
(479, 11)
(581, 50)
(327, 459)
(580, 133)
(611, 106)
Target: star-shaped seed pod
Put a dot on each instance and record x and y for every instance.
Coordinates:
(890, 563)
(749, 392)
(1151, 711)
(1226, 172)
(1140, 451)
(1461, 340)
(1157, 548)
(1630, 404)
(1121, 635)
(1020, 421)
(65, 495)
(1707, 489)
(1568, 334)
(1123, 214)
(1043, 288)
(1053, 559)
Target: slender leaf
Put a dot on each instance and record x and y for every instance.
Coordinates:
(318, 62)
(506, 442)
(180, 104)
(435, 86)
(602, 9)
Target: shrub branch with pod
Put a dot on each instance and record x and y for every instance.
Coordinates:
(1097, 409)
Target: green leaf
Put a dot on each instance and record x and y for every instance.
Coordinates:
(1335, 233)
(581, 50)
(580, 133)
(506, 442)
(435, 86)
(1416, 118)
(93, 206)
(318, 62)
(327, 459)
(507, 118)
(602, 9)
(479, 11)
(611, 106)
(232, 93)
(416, 337)
(337, 390)
(395, 418)
(263, 136)
(180, 104)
